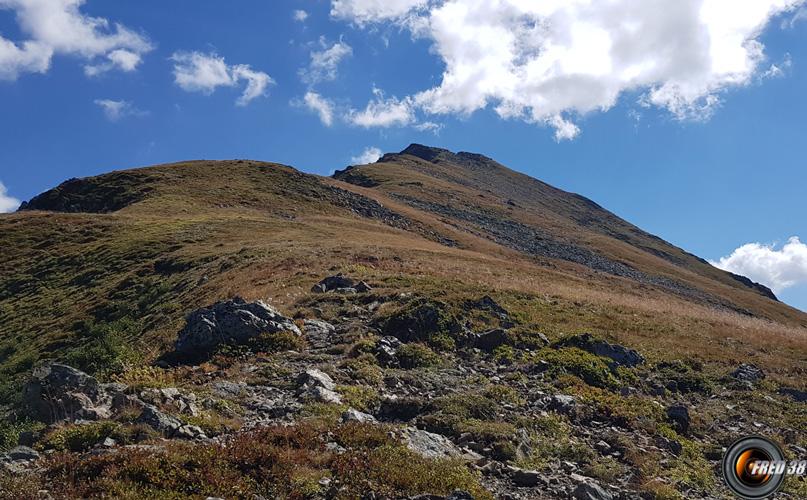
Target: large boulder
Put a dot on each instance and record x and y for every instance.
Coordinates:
(420, 320)
(620, 355)
(231, 322)
(168, 425)
(433, 446)
(491, 339)
(316, 385)
(678, 415)
(59, 392)
(591, 491)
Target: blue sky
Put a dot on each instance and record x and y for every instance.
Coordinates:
(690, 124)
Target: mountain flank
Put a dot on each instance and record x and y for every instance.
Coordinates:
(430, 324)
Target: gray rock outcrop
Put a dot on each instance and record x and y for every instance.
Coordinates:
(230, 322)
(58, 392)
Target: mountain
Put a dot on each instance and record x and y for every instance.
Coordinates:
(518, 321)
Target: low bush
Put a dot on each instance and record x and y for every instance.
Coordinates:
(274, 462)
(416, 355)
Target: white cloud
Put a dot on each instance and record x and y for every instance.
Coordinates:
(800, 15)
(777, 269)
(383, 112)
(199, 72)
(368, 11)
(778, 70)
(122, 59)
(299, 15)
(550, 61)
(116, 110)
(325, 63)
(54, 27)
(321, 106)
(435, 128)
(369, 155)
(7, 203)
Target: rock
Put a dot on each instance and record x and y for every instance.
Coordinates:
(669, 444)
(190, 432)
(620, 355)
(318, 328)
(231, 322)
(386, 351)
(492, 339)
(420, 320)
(228, 388)
(748, 373)
(430, 445)
(322, 395)
(590, 491)
(527, 478)
(487, 303)
(159, 421)
(315, 378)
(21, 453)
(400, 409)
(352, 415)
(797, 395)
(679, 416)
(460, 495)
(58, 392)
(562, 403)
(332, 283)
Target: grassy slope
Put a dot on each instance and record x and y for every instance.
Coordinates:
(209, 230)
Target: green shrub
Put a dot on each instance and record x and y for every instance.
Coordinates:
(592, 369)
(277, 342)
(686, 375)
(466, 405)
(504, 354)
(106, 348)
(360, 397)
(10, 432)
(75, 437)
(416, 355)
(363, 346)
(364, 369)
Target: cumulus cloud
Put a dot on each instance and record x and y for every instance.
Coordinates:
(777, 269)
(369, 155)
(325, 63)
(116, 110)
(551, 61)
(383, 112)
(368, 11)
(52, 27)
(7, 203)
(299, 15)
(122, 59)
(321, 106)
(200, 72)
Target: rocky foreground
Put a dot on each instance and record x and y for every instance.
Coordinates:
(377, 394)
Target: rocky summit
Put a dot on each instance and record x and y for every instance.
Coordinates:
(430, 326)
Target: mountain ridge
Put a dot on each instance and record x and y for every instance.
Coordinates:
(398, 318)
